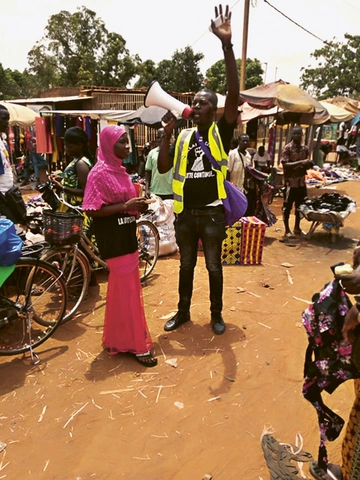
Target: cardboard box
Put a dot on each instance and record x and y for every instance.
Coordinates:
(252, 240)
(231, 247)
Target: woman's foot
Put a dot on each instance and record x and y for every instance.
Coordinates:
(146, 359)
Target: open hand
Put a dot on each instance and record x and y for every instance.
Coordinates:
(223, 31)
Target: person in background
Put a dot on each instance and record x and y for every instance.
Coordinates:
(295, 161)
(73, 180)
(111, 201)
(234, 143)
(6, 171)
(350, 449)
(239, 159)
(142, 160)
(33, 163)
(262, 160)
(198, 187)
(159, 184)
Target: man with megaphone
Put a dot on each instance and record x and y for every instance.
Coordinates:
(198, 187)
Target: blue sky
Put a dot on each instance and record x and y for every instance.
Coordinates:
(155, 29)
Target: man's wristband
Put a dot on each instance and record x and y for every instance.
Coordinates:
(226, 48)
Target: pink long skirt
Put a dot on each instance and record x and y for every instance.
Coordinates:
(125, 328)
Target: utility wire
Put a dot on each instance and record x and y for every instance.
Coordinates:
(283, 14)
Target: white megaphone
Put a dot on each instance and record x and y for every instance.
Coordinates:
(155, 96)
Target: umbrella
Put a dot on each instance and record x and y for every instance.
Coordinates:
(20, 115)
(288, 97)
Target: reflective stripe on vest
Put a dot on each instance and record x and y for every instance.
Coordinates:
(180, 163)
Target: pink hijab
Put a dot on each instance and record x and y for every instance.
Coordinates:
(108, 182)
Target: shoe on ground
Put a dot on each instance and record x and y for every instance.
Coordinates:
(217, 324)
(146, 359)
(178, 319)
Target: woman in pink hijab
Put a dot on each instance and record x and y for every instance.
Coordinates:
(110, 199)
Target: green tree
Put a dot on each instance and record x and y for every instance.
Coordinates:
(216, 75)
(147, 72)
(338, 69)
(77, 49)
(11, 84)
(180, 74)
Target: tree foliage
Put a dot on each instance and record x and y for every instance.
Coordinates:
(77, 49)
(216, 75)
(338, 69)
(180, 74)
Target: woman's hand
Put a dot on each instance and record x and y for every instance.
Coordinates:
(223, 31)
(137, 203)
(56, 181)
(350, 323)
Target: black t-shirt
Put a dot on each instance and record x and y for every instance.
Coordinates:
(200, 188)
(115, 235)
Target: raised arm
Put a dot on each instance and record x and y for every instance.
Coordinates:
(223, 32)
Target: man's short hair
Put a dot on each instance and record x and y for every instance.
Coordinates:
(297, 129)
(212, 96)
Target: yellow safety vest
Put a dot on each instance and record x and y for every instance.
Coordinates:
(180, 163)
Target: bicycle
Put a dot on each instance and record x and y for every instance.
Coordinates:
(33, 298)
(81, 256)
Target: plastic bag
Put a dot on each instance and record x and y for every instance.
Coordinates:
(10, 243)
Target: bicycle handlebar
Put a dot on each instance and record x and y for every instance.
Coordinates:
(49, 187)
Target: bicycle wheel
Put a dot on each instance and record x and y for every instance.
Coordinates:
(75, 266)
(148, 246)
(32, 304)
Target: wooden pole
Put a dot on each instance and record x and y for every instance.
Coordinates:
(244, 45)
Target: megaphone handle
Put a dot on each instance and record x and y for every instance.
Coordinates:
(170, 116)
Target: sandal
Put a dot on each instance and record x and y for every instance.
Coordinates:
(333, 472)
(146, 359)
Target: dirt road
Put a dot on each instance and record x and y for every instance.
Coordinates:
(81, 414)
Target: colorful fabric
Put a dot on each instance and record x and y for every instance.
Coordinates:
(108, 182)
(71, 179)
(252, 240)
(231, 246)
(125, 328)
(328, 358)
(293, 152)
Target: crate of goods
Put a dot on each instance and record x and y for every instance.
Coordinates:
(62, 228)
(231, 246)
(252, 240)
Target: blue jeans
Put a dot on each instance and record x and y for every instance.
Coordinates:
(208, 225)
(35, 161)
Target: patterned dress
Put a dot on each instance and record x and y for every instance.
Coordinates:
(70, 179)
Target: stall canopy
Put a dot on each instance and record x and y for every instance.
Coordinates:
(337, 114)
(20, 115)
(349, 104)
(290, 98)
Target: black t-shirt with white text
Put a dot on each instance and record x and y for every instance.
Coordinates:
(200, 188)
